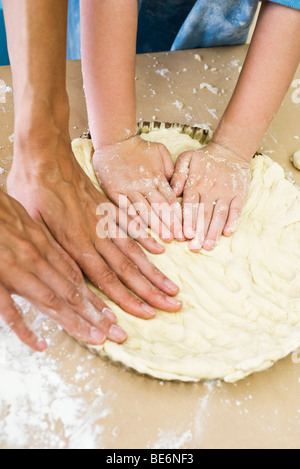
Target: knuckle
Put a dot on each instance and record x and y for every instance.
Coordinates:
(71, 273)
(24, 333)
(39, 235)
(183, 155)
(50, 300)
(108, 276)
(75, 277)
(73, 295)
(127, 268)
(30, 251)
(10, 316)
(133, 248)
(7, 257)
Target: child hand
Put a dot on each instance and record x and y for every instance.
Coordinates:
(141, 171)
(217, 178)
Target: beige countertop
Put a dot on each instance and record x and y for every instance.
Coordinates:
(67, 398)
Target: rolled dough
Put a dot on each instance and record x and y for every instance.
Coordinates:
(241, 302)
(296, 159)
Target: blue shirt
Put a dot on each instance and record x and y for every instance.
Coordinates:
(174, 24)
(189, 24)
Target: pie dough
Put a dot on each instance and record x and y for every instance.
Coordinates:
(241, 302)
(296, 159)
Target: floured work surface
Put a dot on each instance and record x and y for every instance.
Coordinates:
(73, 399)
(241, 302)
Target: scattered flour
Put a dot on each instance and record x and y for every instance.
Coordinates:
(207, 86)
(212, 112)
(191, 436)
(178, 104)
(172, 439)
(235, 63)
(163, 72)
(3, 90)
(38, 408)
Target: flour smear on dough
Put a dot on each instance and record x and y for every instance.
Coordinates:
(241, 302)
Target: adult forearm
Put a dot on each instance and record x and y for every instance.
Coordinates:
(108, 59)
(36, 31)
(270, 65)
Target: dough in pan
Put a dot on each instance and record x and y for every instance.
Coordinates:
(241, 302)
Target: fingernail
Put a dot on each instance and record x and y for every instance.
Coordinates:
(41, 345)
(167, 238)
(97, 335)
(210, 244)
(181, 237)
(150, 311)
(179, 234)
(170, 285)
(109, 314)
(174, 301)
(116, 333)
(231, 229)
(195, 245)
(189, 233)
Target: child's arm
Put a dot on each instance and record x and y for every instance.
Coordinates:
(270, 65)
(125, 164)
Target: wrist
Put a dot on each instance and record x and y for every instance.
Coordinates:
(238, 147)
(110, 136)
(229, 153)
(224, 153)
(40, 124)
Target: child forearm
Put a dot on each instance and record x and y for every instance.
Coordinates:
(270, 65)
(108, 61)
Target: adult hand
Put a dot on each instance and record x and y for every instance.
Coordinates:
(215, 183)
(141, 171)
(35, 267)
(59, 194)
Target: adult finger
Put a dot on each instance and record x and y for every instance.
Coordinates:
(46, 300)
(131, 276)
(108, 321)
(101, 275)
(13, 317)
(87, 304)
(153, 286)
